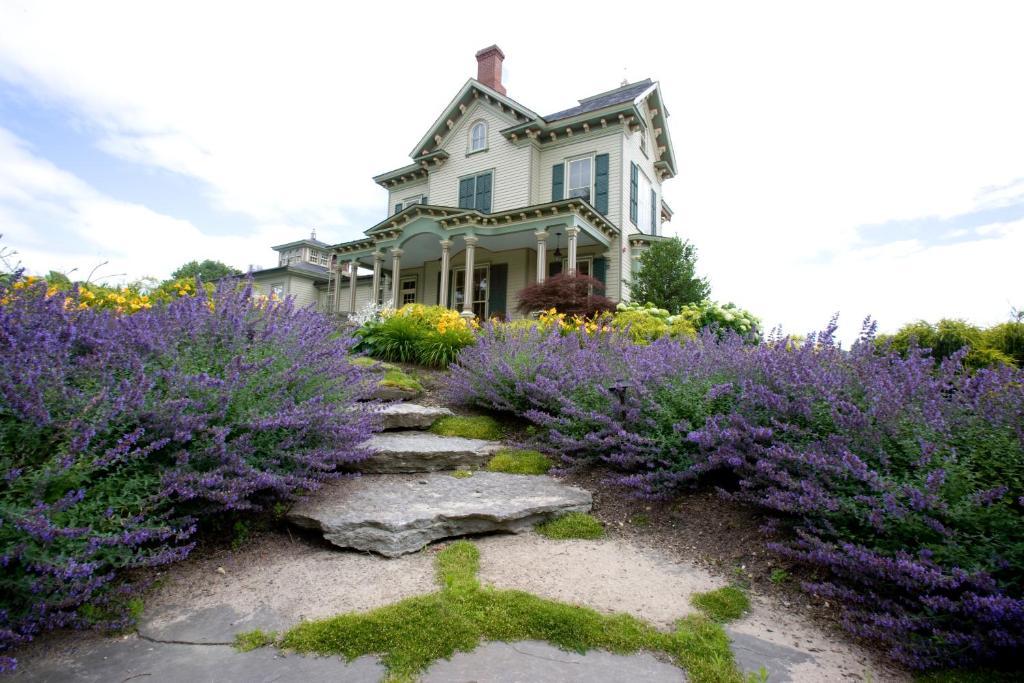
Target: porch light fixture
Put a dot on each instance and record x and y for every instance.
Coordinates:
(558, 245)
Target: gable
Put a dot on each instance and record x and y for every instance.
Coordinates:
(456, 142)
(455, 113)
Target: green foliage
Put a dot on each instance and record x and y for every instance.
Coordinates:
(723, 318)
(722, 605)
(514, 461)
(427, 335)
(462, 474)
(645, 322)
(779, 575)
(207, 271)
(998, 345)
(575, 525)
(475, 427)
(668, 277)
(412, 634)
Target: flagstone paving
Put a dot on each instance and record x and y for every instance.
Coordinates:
(277, 581)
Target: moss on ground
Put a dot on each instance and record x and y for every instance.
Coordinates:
(253, 640)
(401, 380)
(462, 474)
(578, 525)
(724, 604)
(363, 362)
(515, 461)
(475, 427)
(413, 633)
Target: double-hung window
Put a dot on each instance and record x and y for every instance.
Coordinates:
(408, 290)
(581, 177)
(475, 192)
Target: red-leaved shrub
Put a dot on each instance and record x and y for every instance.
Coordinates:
(570, 294)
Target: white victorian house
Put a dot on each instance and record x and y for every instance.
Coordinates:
(498, 196)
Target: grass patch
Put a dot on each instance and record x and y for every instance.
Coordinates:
(401, 380)
(572, 525)
(363, 362)
(413, 633)
(724, 604)
(476, 427)
(462, 474)
(253, 640)
(515, 461)
(641, 520)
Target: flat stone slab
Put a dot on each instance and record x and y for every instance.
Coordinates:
(216, 625)
(410, 415)
(397, 514)
(536, 662)
(753, 653)
(398, 452)
(134, 659)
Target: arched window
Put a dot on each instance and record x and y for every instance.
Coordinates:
(478, 136)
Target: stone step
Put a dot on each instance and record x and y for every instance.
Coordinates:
(398, 452)
(397, 514)
(410, 415)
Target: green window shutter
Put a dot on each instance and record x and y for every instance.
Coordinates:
(654, 212)
(483, 193)
(398, 207)
(634, 181)
(423, 199)
(601, 184)
(557, 182)
(554, 268)
(437, 292)
(467, 188)
(600, 268)
(496, 303)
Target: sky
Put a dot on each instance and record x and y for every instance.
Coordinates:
(854, 158)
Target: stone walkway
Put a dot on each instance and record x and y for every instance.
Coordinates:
(410, 501)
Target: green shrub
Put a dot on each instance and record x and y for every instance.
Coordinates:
(475, 427)
(575, 525)
(999, 345)
(427, 335)
(513, 461)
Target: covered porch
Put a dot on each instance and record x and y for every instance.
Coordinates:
(473, 262)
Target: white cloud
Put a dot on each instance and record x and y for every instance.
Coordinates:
(56, 221)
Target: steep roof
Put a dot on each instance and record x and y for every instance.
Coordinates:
(621, 95)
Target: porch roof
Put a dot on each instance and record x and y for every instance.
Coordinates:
(499, 231)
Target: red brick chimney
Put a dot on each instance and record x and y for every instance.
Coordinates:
(488, 67)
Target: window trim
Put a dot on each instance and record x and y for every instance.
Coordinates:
(567, 177)
(277, 285)
(643, 198)
(470, 149)
(643, 141)
(487, 291)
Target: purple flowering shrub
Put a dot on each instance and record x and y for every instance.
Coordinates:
(900, 481)
(119, 433)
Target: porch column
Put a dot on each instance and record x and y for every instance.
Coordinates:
(467, 299)
(572, 231)
(378, 259)
(396, 269)
(542, 254)
(446, 246)
(336, 294)
(353, 269)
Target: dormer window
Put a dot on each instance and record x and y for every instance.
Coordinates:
(478, 136)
